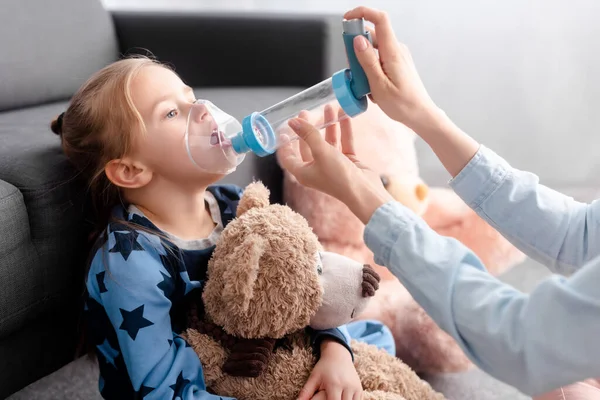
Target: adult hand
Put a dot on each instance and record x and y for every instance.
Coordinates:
(395, 83)
(397, 88)
(331, 166)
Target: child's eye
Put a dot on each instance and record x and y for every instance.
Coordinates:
(172, 114)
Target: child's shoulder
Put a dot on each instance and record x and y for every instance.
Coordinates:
(128, 260)
(127, 239)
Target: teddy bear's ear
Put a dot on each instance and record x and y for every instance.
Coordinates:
(241, 275)
(255, 195)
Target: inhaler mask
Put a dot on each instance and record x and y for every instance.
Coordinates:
(206, 138)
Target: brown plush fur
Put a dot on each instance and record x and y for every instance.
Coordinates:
(382, 376)
(245, 299)
(262, 283)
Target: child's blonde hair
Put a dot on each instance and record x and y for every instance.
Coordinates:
(99, 125)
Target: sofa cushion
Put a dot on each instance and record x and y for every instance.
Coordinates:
(21, 276)
(42, 60)
(43, 246)
(31, 160)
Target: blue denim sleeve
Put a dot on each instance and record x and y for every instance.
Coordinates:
(536, 342)
(548, 226)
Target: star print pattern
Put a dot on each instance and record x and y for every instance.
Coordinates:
(133, 321)
(179, 386)
(100, 281)
(188, 284)
(144, 391)
(125, 243)
(135, 316)
(166, 285)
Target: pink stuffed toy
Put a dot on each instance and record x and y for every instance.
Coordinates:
(388, 148)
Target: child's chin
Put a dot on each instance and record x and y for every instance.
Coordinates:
(210, 177)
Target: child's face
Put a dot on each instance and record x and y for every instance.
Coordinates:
(164, 102)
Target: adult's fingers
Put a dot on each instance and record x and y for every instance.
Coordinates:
(386, 38)
(368, 59)
(304, 149)
(290, 160)
(332, 131)
(310, 135)
(347, 137)
(373, 33)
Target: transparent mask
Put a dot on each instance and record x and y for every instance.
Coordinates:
(206, 138)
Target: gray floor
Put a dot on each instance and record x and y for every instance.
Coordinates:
(78, 381)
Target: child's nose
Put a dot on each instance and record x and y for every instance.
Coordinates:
(201, 113)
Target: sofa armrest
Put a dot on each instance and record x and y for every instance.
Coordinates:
(220, 50)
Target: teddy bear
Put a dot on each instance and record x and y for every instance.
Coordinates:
(388, 148)
(268, 280)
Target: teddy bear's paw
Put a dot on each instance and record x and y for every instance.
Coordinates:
(380, 395)
(380, 371)
(211, 354)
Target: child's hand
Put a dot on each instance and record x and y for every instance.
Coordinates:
(334, 375)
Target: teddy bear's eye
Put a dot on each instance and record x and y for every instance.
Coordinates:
(320, 264)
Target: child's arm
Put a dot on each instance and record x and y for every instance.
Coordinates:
(129, 285)
(535, 342)
(339, 335)
(548, 226)
(334, 373)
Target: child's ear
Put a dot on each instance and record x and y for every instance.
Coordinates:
(126, 173)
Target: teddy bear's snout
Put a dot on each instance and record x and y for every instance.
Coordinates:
(370, 281)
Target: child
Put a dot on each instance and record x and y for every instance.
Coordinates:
(124, 131)
(536, 342)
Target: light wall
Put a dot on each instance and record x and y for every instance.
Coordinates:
(522, 76)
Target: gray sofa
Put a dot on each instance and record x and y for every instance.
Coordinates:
(242, 63)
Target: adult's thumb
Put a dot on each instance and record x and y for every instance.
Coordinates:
(365, 53)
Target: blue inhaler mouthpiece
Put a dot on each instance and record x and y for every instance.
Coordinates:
(257, 136)
(345, 92)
